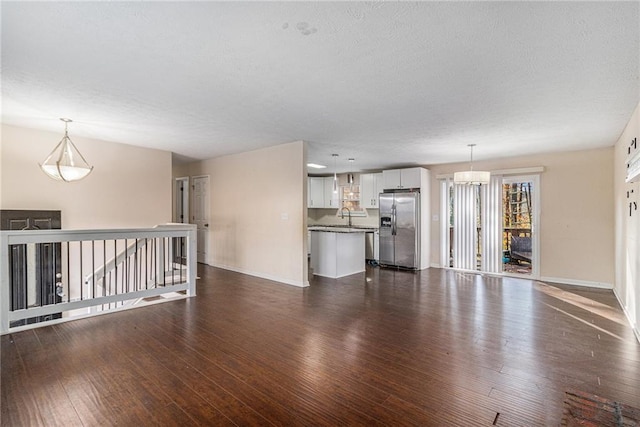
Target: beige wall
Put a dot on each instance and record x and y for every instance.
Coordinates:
(258, 222)
(577, 216)
(129, 186)
(627, 228)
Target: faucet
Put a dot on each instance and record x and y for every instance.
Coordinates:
(348, 212)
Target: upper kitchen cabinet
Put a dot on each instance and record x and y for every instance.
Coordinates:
(395, 179)
(370, 187)
(315, 192)
(331, 198)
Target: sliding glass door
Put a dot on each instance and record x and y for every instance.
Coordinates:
(491, 228)
(519, 217)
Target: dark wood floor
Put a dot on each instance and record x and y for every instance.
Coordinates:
(381, 348)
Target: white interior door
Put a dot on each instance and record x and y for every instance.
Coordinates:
(200, 216)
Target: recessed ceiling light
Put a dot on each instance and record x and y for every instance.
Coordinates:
(315, 166)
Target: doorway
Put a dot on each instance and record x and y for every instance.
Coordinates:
(181, 211)
(520, 206)
(492, 228)
(181, 216)
(200, 214)
(35, 271)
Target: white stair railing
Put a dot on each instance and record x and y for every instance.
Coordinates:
(100, 281)
(89, 272)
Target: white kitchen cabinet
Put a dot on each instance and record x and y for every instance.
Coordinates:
(331, 198)
(315, 193)
(370, 188)
(395, 179)
(391, 179)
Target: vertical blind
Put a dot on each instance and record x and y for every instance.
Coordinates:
(465, 223)
(444, 221)
(491, 196)
(464, 227)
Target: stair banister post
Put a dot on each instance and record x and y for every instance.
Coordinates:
(5, 300)
(192, 264)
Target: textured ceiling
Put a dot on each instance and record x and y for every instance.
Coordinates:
(389, 84)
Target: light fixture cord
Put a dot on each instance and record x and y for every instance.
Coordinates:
(471, 163)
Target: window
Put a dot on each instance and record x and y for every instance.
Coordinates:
(350, 198)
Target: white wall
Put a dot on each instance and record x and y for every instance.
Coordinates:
(627, 227)
(577, 216)
(129, 187)
(258, 223)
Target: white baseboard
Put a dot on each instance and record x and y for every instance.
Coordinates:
(563, 281)
(574, 282)
(631, 321)
(299, 284)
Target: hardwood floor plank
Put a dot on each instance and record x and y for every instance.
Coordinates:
(98, 385)
(125, 352)
(50, 397)
(337, 390)
(382, 347)
(318, 384)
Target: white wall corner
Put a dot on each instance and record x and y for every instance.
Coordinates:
(634, 327)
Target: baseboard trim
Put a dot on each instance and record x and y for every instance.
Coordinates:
(299, 284)
(575, 282)
(634, 328)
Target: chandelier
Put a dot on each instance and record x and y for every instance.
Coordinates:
(65, 163)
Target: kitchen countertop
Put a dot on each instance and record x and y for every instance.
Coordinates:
(343, 228)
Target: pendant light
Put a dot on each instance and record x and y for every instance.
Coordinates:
(350, 179)
(350, 174)
(65, 163)
(471, 177)
(335, 174)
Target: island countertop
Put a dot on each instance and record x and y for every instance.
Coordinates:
(343, 228)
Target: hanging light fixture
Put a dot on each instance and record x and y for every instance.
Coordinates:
(65, 163)
(350, 174)
(335, 173)
(471, 177)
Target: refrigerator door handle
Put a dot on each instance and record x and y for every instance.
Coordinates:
(393, 220)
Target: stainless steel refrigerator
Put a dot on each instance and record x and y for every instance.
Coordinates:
(400, 229)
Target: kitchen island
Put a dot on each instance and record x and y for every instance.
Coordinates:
(337, 251)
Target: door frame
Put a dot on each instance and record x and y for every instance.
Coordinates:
(35, 270)
(181, 202)
(507, 176)
(204, 258)
(535, 223)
